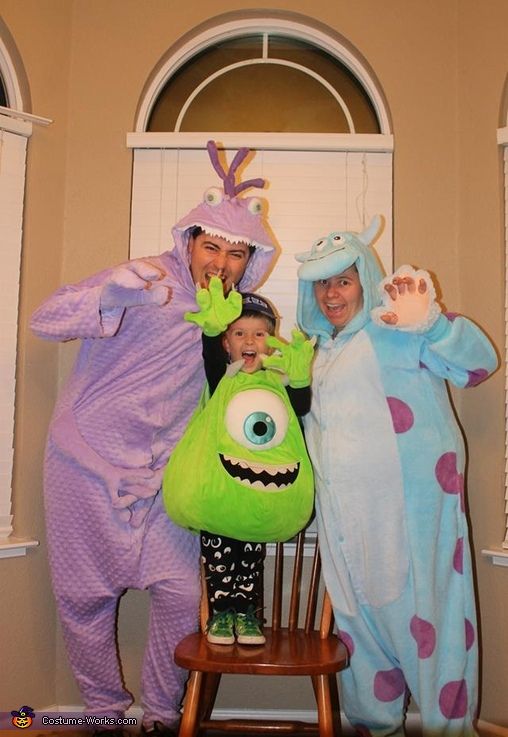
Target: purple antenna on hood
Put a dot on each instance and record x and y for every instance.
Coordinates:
(230, 188)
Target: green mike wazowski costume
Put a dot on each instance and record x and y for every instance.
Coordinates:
(241, 468)
(241, 475)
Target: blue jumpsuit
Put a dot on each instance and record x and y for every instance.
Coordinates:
(389, 461)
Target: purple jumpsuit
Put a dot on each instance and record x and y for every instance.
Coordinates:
(135, 383)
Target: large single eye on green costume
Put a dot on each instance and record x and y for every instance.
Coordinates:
(259, 428)
(257, 419)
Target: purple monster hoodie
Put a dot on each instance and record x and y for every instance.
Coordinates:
(139, 374)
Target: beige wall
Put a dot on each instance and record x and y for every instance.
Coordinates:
(442, 66)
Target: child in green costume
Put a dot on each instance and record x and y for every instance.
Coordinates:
(272, 474)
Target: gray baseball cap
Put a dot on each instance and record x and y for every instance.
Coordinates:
(255, 303)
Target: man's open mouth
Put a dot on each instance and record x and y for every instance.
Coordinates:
(220, 276)
(263, 478)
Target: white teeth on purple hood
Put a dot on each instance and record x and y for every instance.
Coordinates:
(231, 219)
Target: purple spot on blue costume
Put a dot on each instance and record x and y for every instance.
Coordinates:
(458, 555)
(348, 641)
(424, 634)
(470, 633)
(451, 316)
(476, 377)
(453, 699)
(402, 415)
(446, 473)
(449, 479)
(389, 685)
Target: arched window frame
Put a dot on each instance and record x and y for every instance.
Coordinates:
(9, 78)
(337, 48)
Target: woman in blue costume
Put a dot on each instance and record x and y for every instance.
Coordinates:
(389, 461)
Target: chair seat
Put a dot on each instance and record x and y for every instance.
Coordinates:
(284, 653)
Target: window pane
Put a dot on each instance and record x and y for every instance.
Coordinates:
(169, 103)
(331, 69)
(265, 97)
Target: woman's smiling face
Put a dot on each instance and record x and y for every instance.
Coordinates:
(340, 297)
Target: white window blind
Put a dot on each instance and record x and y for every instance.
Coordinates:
(309, 194)
(499, 554)
(13, 143)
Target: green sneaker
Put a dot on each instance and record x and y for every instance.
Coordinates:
(248, 628)
(220, 630)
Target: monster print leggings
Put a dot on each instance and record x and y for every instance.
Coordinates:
(233, 572)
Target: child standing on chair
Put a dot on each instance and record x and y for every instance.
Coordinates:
(234, 568)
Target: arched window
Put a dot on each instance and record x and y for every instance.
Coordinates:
(302, 99)
(233, 85)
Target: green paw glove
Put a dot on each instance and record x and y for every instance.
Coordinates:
(216, 310)
(294, 359)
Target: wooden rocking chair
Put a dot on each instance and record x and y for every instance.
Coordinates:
(290, 650)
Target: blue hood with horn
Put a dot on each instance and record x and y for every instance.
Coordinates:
(330, 255)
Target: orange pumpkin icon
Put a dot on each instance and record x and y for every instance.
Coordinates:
(23, 718)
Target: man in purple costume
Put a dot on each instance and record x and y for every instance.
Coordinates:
(136, 381)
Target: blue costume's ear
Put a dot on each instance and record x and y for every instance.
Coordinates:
(370, 233)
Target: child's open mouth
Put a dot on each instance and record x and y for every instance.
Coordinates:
(249, 357)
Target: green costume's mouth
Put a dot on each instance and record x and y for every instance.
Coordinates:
(261, 477)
